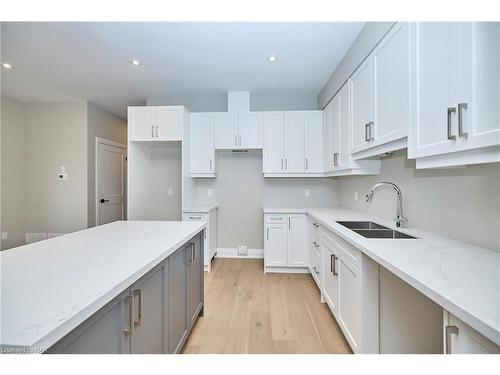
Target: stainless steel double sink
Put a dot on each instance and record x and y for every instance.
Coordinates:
(370, 229)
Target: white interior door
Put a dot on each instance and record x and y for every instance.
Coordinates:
(110, 181)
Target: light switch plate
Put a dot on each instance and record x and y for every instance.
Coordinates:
(355, 195)
(307, 192)
(5, 235)
(170, 191)
(210, 192)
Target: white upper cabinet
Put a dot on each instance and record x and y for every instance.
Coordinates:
(226, 130)
(202, 152)
(456, 86)
(313, 142)
(361, 106)
(327, 137)
(380, 96)
(250, 130)
(294, 158)
(156, 123)
(235, 130)
(273, 142)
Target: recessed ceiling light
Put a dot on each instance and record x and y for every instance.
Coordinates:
(272, 58)
(135, 62)
(7, 65)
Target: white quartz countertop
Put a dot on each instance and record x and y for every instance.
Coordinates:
(200, 209)
(48, 288)
(462, 278)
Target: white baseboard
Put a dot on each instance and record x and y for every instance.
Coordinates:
(232, 252)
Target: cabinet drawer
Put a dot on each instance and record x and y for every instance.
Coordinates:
(194, 217)
(349, 251)
(275, 219)
(315, 230)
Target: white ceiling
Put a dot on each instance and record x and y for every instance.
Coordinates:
(91, 61)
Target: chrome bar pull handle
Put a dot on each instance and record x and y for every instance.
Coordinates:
(307, 164)
(367, 131)
(316, 225)
(138, 321)
(152, 131)
(461, 133)
(286, 164)
(130, 330)
(282, 164)
(370, 127)
(333, 266)
(449, 331)
(210, 164)
(450, 111)
(156, 131)
(267, 233)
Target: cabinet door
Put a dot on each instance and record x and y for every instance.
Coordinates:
(226, 126)
(250, 130)
(294, 142)
(202, 143)
(334, 137)
(273, 142)
(314, 142)
(391, 67)
(361, 105)
(103, 333)
(275, 245)
(297, 240)
(466, 340)
(169, 123)
(141, 122)
(349, 302)
(177, 300)
(435, 77)
(479, 88)
(195, 282)
(149, 314)
(330, 281)
(343, 134)
(327, 135)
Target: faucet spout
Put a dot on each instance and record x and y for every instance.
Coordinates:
(400, 219)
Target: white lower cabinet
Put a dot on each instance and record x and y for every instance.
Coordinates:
(349, 287)
(285, 243)
(210, 234)
(459, 338)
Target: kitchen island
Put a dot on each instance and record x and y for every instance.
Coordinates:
(123, 287)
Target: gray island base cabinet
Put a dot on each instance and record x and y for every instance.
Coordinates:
(154, 315)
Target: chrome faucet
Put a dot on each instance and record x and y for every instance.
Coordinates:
(400, 219)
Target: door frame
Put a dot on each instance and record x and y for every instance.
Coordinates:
(107, 142)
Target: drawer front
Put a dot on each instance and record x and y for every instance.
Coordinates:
(315, 229)
(349, 251)
(275, 218)
(194, 217)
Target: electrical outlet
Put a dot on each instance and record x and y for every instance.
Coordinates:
(170, 191)
(355, 195)
(5, 235)
(242, 251)
(210, 192)
(307, 192)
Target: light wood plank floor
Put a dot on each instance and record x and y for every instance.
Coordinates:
(247, 311)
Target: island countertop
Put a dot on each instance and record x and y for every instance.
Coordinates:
(48, 288)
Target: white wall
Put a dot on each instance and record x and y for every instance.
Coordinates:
(102, 124)
(13, 179)
(56, 135)
(241, 191)
(462, 204)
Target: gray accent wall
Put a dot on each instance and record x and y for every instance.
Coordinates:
(365, 42)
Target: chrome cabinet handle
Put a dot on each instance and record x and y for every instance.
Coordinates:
(461, 133)
(194, 217)
(130, 330)
(275, 218)
(152, 131)
(210, 164)
(336, 159)
(307, 164)
(450, 111)
(282, 164)
(138, 322)
(315, 244)
(156, 131)
(289, 225)
(367, 130)
(316, 225)
(193, 252)
(286, 164)
(370, 125)
(333, 267)
(267, 233)
(449, 331)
